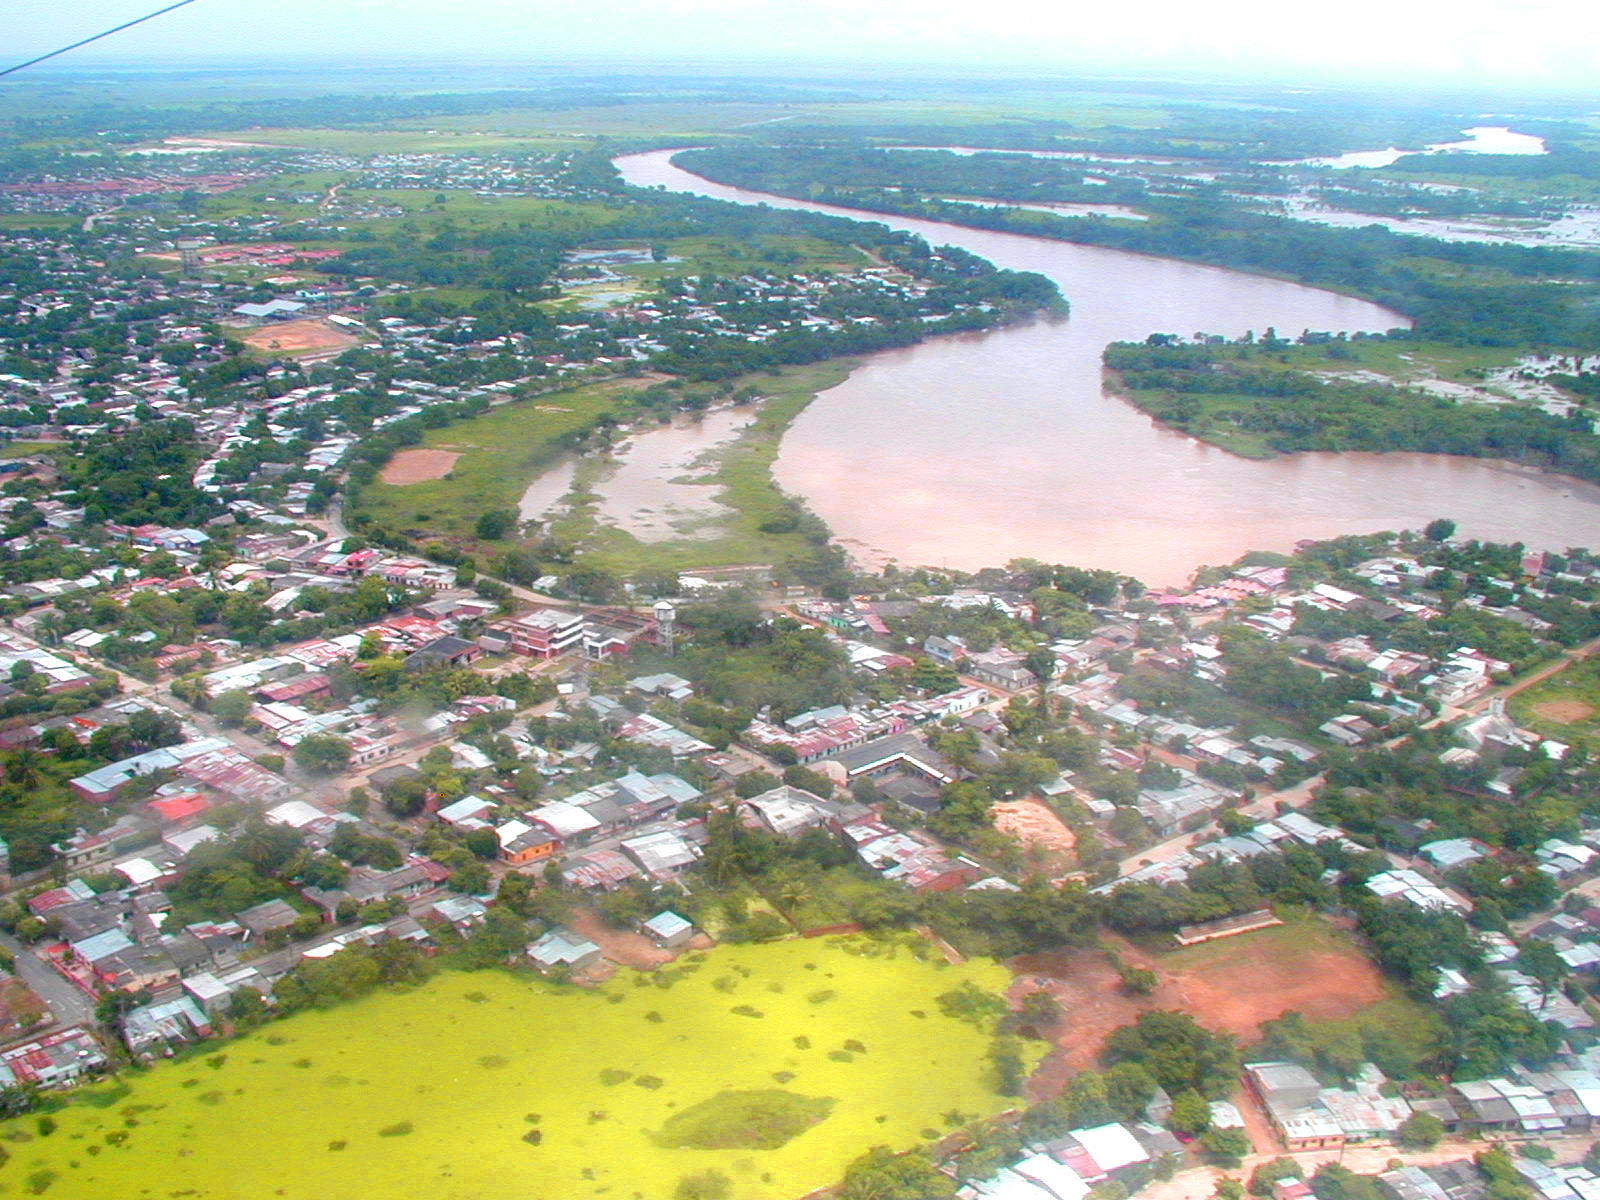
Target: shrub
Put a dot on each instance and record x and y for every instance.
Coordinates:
(704, 1185)
(752, 1120)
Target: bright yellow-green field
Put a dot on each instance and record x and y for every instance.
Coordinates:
(471, 1063)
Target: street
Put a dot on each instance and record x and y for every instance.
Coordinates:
(67, 1004)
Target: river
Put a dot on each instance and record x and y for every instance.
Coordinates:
(970, 450)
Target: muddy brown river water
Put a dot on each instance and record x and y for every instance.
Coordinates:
(970, 450)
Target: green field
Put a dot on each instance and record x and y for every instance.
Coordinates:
(775, 1065)
(48, 222)
(1564, 706)
(23, 449)
(1405, 361)
(372, 140)
(743, 471)
(501, 451)
(504, 450)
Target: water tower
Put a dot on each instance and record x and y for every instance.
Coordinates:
(189, 256)
(665, 616)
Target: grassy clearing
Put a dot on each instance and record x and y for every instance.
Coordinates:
(252, 198)
(643, 118)
(396, 141)
(517, 1087)
(1564, 706)
(501, 451)
(742, 471)
(1405, 362)
(47, 222)
(23, 449)
(1294, 939)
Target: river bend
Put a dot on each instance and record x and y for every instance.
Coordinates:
(969, 450)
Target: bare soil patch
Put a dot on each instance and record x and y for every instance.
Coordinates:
(1564, 712)
(1034, 825)
(625, 946)
(1232, 985)
(418, 465)
(299, 337)
(20, 1009)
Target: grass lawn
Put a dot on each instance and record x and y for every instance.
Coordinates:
(775, 1065)
(1564, 706)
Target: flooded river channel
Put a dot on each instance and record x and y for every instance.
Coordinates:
(970, 450)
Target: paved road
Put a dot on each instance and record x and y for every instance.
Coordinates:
(67, 1004)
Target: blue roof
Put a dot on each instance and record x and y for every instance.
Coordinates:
(667, 924)
(101, 945)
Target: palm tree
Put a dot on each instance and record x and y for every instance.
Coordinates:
(793, 891)
(23, 766)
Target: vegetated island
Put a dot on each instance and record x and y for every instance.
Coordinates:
(1256, 398)
(1259, 398)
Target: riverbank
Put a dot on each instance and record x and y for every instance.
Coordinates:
(521, 457)
(1259, 400)
(966, 451)
(750, 519)
(496, 453)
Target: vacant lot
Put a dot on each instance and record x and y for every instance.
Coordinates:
(1564, 705)
(417, 466)
(1036, 828)
(312, 336)
(1232, 985)
(20, 1009)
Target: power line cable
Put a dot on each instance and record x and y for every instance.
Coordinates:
(125, 25)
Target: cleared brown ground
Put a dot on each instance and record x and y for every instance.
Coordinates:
(299, 337)
(626, 947)
(1567, 712)
(1048, 842)
(1231, 985)
(418, 465)
(20, 1009)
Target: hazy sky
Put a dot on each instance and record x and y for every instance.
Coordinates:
(1542, 43)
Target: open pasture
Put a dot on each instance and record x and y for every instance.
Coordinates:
(775, 1065)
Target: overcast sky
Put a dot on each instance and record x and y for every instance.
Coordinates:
(1537, 43)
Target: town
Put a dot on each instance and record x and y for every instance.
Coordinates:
(270, 745)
